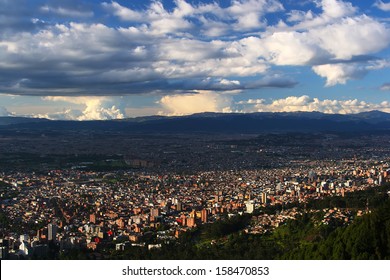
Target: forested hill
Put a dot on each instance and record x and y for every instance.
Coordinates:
(367, 238)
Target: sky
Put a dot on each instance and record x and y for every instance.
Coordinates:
(84, 60)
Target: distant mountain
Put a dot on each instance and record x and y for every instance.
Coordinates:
(217, 123)
(20, 120)
(373, 116)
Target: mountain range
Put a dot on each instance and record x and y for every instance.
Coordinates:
(248, 123)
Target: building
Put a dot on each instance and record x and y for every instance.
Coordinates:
(264, 198)
(250, 207)
(92, 218)
(179, 206)
(25, 248)
(24, 238)
(51, 232)
(204, 216)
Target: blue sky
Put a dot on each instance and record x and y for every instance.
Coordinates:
(86, 60)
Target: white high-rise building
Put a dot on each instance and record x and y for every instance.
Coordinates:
(250, 206)
(23, 237)
(51, 232)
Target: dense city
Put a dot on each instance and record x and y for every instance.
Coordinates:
(85, 209)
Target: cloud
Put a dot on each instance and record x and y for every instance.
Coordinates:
(158, 19)
(305, 103)
(226, 85)
(95, 108)
(205, 101)
(339, 73)
(67, 60)
(66, 12)
(337, 8)
(17, 16)
(122, 12)
(291, 48)
(299, 16)
(352, 37)
(240, 15)
(342, 39)
(247, 13)
(332, 11)
(382, 6)
(324, 41)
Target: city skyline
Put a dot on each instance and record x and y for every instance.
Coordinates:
(85, 60)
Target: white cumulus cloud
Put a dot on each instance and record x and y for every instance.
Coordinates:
(307, 104)
(337, 8)
(352, 37)
(339, 73)
(204, 101)
(95, 108)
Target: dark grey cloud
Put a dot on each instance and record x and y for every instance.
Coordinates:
(96, 59)
(16, 16)
(221, 85)
(33, 16)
